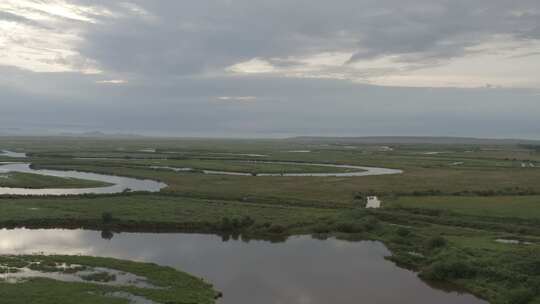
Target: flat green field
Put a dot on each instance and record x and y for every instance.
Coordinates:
(526, 207)
(448, 208)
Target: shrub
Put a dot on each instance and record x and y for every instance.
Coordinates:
(277, 229)
(321, 228)
(436, 242)
(349, 227)
(106, 217)
(247, 221)
(226, 224)
(448, 270)
(99, 277)
(519, 296)
(403, 232)
(235, 223)
(370, 223)
(359, 196)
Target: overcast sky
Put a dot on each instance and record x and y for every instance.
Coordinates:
(271, 68)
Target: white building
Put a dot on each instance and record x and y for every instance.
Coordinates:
(373, 202)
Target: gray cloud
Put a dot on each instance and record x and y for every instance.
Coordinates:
(190, 37)
(167, 61)
(283, 107)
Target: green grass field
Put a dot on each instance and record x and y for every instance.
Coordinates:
(450, 205)
(526, 207)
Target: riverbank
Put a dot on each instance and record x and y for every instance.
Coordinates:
(110, 183)
(82, 279)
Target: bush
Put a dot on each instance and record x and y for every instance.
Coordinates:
(277, 229)
(359, 196)
(106, 217)
(403, 232)
(322, 228)
(436, 242)
(226, 224)
(235, 224)
(348, 227)
(448, 270)
(247, 221)
(103, 277)
(370, 223)
(520, 296)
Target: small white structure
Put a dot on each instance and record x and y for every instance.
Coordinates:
(147, 150)
(385, 148)
(373, 202)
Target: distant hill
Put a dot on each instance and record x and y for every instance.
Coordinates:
(99, 134)
(414, 140)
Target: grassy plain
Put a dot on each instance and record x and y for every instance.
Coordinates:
(441, 217)
(524, 207)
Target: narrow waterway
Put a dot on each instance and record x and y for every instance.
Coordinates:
(12, 154)
(355, 170)
(119, 183)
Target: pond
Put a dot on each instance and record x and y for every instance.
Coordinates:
(119, 184)
(300, 270)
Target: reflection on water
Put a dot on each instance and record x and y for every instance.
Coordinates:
(12, 154)
(301, 270)
(119, 183)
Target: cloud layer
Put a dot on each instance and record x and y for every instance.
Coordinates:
(273, 67)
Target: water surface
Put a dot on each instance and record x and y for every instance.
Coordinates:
(119, 183)
(300, 271)
(8, 153)
(356, 170)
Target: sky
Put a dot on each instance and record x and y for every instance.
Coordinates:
(276, 68)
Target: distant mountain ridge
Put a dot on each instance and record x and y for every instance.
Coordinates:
(99, 134)
(415, 140)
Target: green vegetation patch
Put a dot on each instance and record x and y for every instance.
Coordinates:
(527, 207)
(168, 284)
(154, 212)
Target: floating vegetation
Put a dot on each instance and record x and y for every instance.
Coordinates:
(18, 269)
(27, 278)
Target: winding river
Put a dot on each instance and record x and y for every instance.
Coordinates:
(12, 154)
(358, 170)
(118, 183)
